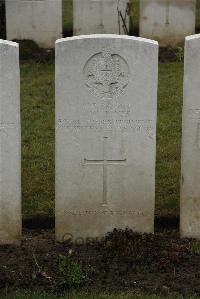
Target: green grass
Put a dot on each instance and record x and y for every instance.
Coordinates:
(37, 106)
(37, 97)
(88, 296)
(67, 15)
(169, 138)
(134, 20)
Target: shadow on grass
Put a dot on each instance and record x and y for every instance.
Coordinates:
(45, 222)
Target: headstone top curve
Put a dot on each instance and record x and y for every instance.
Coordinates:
(192, 37)
(9, 43)
(107, 36)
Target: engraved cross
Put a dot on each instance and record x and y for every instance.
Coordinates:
(106, 77)
(105, 163)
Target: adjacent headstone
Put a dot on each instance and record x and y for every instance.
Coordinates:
(99, 16)
(38, 20)
(106, 99)
(167, 21)
(10, 145)
(190, 187)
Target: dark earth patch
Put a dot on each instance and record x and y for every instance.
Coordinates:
(29, 50)
(122, 261)
(171, 54)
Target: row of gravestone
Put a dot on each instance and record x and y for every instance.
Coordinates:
(106, 106)
(41, 20)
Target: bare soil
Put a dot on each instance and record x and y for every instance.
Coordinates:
(122, 261)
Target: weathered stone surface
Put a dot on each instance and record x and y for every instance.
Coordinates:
(38, 20)
(190, 187)
(10, 144)
(106, 101)
(99, 16)
(167, 21)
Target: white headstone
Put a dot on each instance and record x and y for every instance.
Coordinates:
(10, 144)
(167, 21)
(99, 16)
(190, 187)
(38, 20)
(106, 98)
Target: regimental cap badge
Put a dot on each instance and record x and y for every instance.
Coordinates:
(106, 74)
